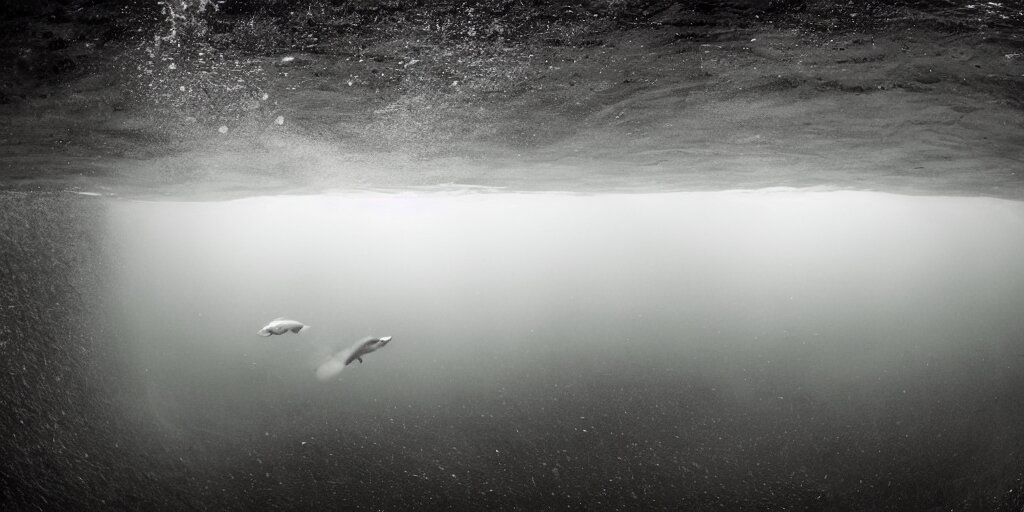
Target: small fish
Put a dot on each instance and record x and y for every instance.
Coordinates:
(364, 347)
(281, 326)
(333, 366)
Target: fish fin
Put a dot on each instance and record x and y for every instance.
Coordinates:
(360, 360)
(304, 328)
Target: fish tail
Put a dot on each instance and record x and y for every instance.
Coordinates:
(330, 369)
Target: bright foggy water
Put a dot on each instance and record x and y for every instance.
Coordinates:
(737, 350)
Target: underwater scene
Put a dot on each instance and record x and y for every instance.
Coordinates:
(737, 255)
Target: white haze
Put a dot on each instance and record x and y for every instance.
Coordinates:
(833, 292)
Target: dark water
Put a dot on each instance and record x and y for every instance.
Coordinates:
(762, 350)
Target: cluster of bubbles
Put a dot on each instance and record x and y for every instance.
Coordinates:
(189, 85)
(995, 14)
(453, 63)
